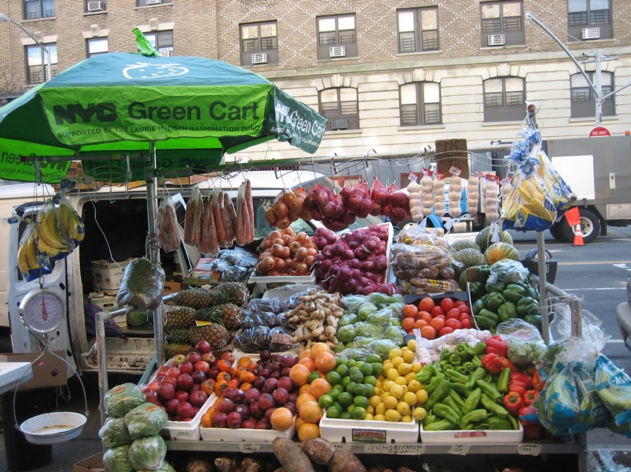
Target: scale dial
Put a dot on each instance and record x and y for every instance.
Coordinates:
(43, 311)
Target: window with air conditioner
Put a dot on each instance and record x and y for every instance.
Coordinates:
(341, 106)
(95, 6)
(336, 34)
(502, 23)
(504, 99)
(589, 20)
(583, 98)
(259, 43)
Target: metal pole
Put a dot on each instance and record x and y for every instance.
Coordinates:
(541, 265)
(598, 86)
(102, 359)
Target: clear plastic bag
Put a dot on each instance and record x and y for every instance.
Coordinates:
(31, 262)
(114, 432)
(525, 344)
(509, 271)
(193, 218)
(239, 257)
(263, 304)
(119, 400)
(142, 285)
(168, 226)
(145, 420)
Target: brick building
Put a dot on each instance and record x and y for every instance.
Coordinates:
(391, 76)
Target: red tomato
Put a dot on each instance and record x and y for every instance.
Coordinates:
(446, 330)
(465, 316)
(454, 313)
(428, 332)
(436, 311)
(464, 309)
(447, 304)
(465, 324)
(437, 324)
(453, 323)
(426, 304)
(425, 315)
(459, 303)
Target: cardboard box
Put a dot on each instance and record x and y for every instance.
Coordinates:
(108, 275)
(452, 152)
(49, 371)
(90, 464)
(172, 287)
(84, 182)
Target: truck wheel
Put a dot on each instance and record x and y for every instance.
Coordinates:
(590, 227)
(556, 230)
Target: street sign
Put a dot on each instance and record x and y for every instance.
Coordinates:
(599, 132)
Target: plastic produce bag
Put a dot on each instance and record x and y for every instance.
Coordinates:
(256, 305)
(142, 285)
(114, 432)
(193, 218)
(168, 226)
(238, 257)
(145, 420)
(116, 459)
(612, 385)
(31, 262)
(525, 344)
(147, 453)
(508, 271)
(120, 400)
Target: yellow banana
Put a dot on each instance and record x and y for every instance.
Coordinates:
(49, 236)
(44, 248)
(22, 260)
(31, 253)
(71, 221)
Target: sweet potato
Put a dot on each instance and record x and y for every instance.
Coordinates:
(345, 461)
(291, 456)
(319, 450)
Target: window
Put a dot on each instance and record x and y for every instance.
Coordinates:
(420, 104)
(144, 3)
(39, 9)
(96, 46)
(418, 30)
(589, 19)
(584, 98)
(37, 62)
(259, 44)
(95, 6)
(504, 99)
(337, 37)
(341, 107)
(502, 24)
(162, 41)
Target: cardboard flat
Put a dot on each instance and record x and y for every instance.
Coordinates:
(90, 464)
(48, 372)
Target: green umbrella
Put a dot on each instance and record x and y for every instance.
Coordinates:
(192, 110)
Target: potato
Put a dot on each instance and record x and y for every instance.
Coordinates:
(319, 450)
(290, 456)
(345, 461)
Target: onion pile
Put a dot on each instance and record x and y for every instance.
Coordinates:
(286, 253)
(398, 206)
(326, 206)
(356, 200)
(356, 262)
(288, 208)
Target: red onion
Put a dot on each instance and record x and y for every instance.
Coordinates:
(399, 199)
(354, 202)
(368, 266)
(320, 197)
(348, 255)
(380, 196)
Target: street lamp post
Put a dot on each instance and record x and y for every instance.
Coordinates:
(4, 17)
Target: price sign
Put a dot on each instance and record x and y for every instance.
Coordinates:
(401, 449)
(459, 449)
(529, 449)
(344, 446)
(247, 447)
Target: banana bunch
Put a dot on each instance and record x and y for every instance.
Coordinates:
(529, 204)
(72, 223)
(28, 256)
(613, 386)
(52, 238)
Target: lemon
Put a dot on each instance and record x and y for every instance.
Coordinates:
(403, 408)
(392, 374)
(416, 367)
(379, 418)
(386, 385)
(378, 383)
(378, 391)
(370, 410)
(409, 377)
(369, 417)
(422, 396)
(392, 415)
(419, 413)
(414, 385)
(390, 403)
(380, 409)
(410, 398)
(385, 395)
(407, 419)
(408, 356)
(401, 381)
(404, 368)
(396, 361)
(412, 344)
(374, 401)
(387, 366)
(396, 352)
(396, 391)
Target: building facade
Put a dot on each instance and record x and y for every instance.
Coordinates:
(391, 77)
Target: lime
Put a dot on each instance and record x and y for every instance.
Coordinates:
(345, 381)
(351, 363)
(366, 369)
(339, 360)
(345, 415)
(333, 377)
(342, 369)
(334, 394)
(350, 408)
(356, 375)
(370, 390)
(361, 401)
(377, 369)
(350, 387)
(333, 411)
(345, 398)
(374, 358)
(313, 376)
(358, 413)
(370, 379)
(337, 388)
(326, 401)
(359, 389)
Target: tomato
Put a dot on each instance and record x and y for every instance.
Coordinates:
(465, 316)
(446, 330)
(436, 311)
(419, 324)
(428, 332)
(459, 303)
(454, 313)
(410, 311)
(437, 324)
(426, 304)
(464, 309)
(465, 324)
(447, 304)
(453, 323)
(425, 316)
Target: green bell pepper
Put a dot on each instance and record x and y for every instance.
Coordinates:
(483, 273)
(533, 319)
(494, 301)
(425, 374)
(446, 412)
(439, 425)
(454, 359)
(478, 305)
(514, 293)
(487, 322)
(498, 286)
(527, 306)
(431, 386)
(441, 391)
(445, 354)
(477, 290)
(471, 403)
(507, 311)
(474, 416)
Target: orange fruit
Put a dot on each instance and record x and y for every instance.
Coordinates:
(408, 324)
(305, 353)
(223, 365)
(304, 397)
(310, 363)
(308, 431)
(410, 311)
(426, 316)
(306, 388)
(299, 423)
(282, 419)
(325, 361)
(319, 387)
(426, 304)
(310, 412)
(299, 374)
(317, 348)
(428, 332)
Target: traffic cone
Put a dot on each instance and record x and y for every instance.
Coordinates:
(574, 220)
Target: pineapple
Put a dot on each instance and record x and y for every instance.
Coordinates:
(178, 317)
(195, 298)
(178, 336)
(231, 315)
(233, 292)
(209, 314)
(214, 333)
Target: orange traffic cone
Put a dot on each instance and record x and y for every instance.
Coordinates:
(574, 220)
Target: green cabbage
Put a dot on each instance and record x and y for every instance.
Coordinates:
(114, 432)
(116, 459)
(382, 298)
(145, 420)
(364, 342)
(346, 333)
(118, 401)
(353, 302)
(147, 452)
(347, 320)
(382, 347)
(395, 334)
(367, 330)
(366, 309)
(379, 317)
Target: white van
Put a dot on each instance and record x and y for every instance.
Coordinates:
(116, 230)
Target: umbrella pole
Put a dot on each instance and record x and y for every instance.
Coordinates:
(153, 249)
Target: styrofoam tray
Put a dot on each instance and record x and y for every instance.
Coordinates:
(262, 282)
(246, 435)
(287, 291)
(461, 436)
(368, 431)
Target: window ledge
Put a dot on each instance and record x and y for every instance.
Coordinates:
(32, 20)
(421, 128)
(507, 124)
(92, 13)
(506, 46)
(418, 53)
(609, 119)
(344, 132)
(338, 59)
(157, 5)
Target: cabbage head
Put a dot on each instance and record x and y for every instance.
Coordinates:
(114, 432)
(367, 330)
(147, 452)
(382, 347)
(395, 334)
(395, 321)
(364, 342)
(379, 317)
(353, 302)
(346, 333)
(123, 398)
(145, 420)
(383, 299)
(366, 309)
(116, 459)
(347, 320)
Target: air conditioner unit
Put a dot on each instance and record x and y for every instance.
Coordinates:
(95, 6)
(152, 2)
(259, 58)
(496, 39)
(591, 33)
(337, 51)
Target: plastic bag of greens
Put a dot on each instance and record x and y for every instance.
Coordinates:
(525, 344)
(147, 453)
(145, 420)
(380, 317)
(367, 330)
(116, 459)
(382, 347)
(612, 385)
(366, 309)
(508, 271)
(114, 432)
(396, 334)
(347, 333)
(353, 302)
(383, 299)
(142, 285)
(119, 400)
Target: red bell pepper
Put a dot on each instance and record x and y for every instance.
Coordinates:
(494, 344)
(513, 401)
(492, 363)
(537, 383)
(517, 386)
(532, 429)
(523, 378)
(507, 363)
(530, 396)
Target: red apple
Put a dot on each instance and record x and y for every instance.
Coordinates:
(172, 405)
(185, 410)
(203, 346)
(178, 359)
(281, 396)
(225, 405)
(182, 395)
(202, 366)
(252, 395)
(219, 420)
(266, 401)
(169, 380)
(173, 372)
(228, 356)
(153, 385)
(234, 420)
(263, 423)
(210, 358)
(165, 392)
(194, 356)
(198, 398)
(250, 423)
(243, 410)
(151, 396)
(256, 411)
(213, 372)
(198, 376)
(291, 406)
(286, 383)
(162, 371)
(185, 382)
(270, 385)
(186, 367)
(268, 413)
